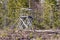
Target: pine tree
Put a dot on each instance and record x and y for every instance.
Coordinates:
(51, 15)
(12, 11)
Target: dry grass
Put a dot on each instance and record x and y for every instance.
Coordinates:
(10, 34)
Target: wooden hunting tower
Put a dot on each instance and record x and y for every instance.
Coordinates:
(25, 19)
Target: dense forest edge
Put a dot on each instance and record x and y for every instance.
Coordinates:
(29, 19)
(46, 14)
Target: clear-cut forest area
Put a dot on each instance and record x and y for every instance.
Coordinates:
(29, 19)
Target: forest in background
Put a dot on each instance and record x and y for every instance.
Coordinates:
(46, 14)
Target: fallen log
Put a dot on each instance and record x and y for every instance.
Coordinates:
(44, 31)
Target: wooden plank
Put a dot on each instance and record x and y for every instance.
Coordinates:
(24, 23)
